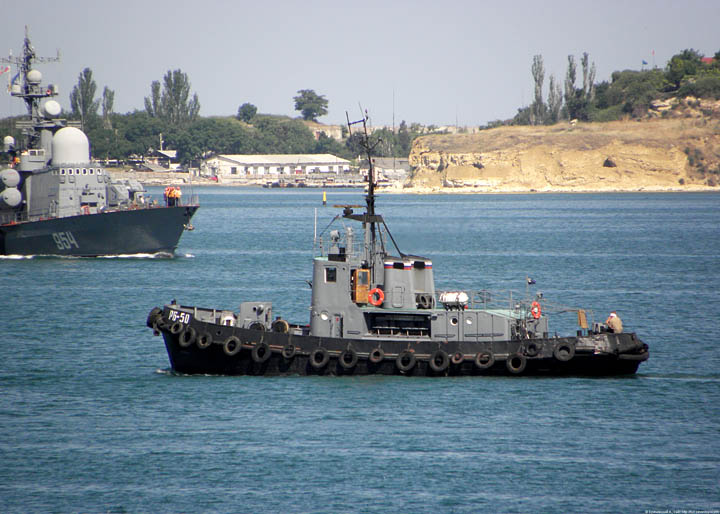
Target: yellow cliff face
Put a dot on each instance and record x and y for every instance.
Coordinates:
(652, 155)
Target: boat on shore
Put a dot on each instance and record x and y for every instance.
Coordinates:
(377, 311)
(55, 200)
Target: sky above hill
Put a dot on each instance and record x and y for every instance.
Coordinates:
(463, 62)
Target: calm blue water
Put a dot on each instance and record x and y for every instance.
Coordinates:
(92, 421)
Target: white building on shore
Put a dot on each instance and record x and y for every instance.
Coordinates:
(229, 167)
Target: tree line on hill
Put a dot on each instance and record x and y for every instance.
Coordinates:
(629, 93)
(172, 113)
(171, 116)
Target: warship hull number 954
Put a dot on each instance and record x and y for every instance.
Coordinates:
(65, 240)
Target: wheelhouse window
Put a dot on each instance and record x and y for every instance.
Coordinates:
(330, 274)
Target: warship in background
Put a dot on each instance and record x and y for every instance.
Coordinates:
(376, 312)
(54, 200)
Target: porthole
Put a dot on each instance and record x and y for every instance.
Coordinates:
(453, 321)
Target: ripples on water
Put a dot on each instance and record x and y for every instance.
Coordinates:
(92, 419)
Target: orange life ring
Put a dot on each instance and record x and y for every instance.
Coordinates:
(535, 310)
(376, 301)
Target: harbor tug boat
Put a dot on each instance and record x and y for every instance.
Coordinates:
(376, 312)
(54, 200)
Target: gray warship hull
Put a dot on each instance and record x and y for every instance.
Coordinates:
(204, 347)
(155, 230)
(56, 200)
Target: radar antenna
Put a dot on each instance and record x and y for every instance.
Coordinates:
(24, 86)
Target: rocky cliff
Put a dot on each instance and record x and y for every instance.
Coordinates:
(676, 154)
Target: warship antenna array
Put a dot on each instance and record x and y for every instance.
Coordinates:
(26, 84)
(23, 64)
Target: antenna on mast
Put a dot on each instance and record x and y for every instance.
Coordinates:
(370, 216)
(365, 143)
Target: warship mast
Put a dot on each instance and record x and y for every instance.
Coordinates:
(27, 85)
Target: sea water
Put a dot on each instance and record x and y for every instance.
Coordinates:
(92, 419)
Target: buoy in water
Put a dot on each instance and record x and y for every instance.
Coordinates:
(324, 198)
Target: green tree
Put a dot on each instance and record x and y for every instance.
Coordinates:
(279, 135)
(354, 144)
(537, 109)
(570, 77)
(310, 104)
(576, 100)
(173, 105)
(555, 100)
(404, 140)
(523, 116)
(682, 65)
(153, 103)
(108, 99)
(706, 86)
(326, 144)
(588, 77)
(246, 112)
(82, 98)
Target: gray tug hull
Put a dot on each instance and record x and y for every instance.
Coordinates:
(198, 347)
(125, 232)
(377, 313)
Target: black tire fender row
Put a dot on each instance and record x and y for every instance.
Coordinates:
(484, 359)
(187, 337)
(319, 358)
(348, 358)
(405, 361)
(439, 361)
(376, 355)
(516, 363)
(232, 346)
(153, 317)
(564, 351)
(457, 358)
(203, 340)
(289, 351)
(261, 352)
(532, 349)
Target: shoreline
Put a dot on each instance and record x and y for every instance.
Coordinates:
(183, 180)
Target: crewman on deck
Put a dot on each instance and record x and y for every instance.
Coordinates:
(614, 323)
